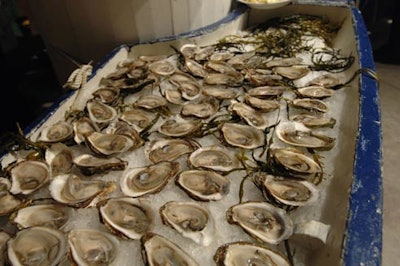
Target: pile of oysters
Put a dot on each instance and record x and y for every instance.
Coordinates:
(197, 157)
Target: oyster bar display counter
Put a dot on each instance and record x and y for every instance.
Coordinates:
(247, 140)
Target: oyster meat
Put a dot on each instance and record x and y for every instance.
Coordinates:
(190, 219)
(8, 202)
(71, 190)
(161, 149)
(52, 215)
(105, 144)
(127, 217)
(221, 92)
(310, 104)
(243, 136)
(107, 95)
(150, 101)
(100, 113)
(261, 220)
(37, 245)
(139, 181)
(292, 72)
(158, 250)
(179, 127)
(90, 164)
(83, 127)
(28, 176)
(59, 157)
(57, 132)
(296, 134)
(204, 185)
(315, 91)
(162, 67)
(216, 158)
(248, 253)
(249, 114)
(138, 118)
(93, 247)
(202, 108)
(313, 120)
(263, 105)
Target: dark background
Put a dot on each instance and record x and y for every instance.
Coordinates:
(29, 84)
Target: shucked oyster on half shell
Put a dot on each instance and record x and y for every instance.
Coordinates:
(28, 176)
(8, 202)
(59, 158)
(261, 220)
(4, 237)
(158, 250)
(105, 144)
(249, 114)
(178, 126)
(139, 118)
(286, 190)
(216, 158)
(52, 215)
(296, 134)
(161, 149)
(127, 217)
(243, 136)
(58, 132)
(313, 120)
(83, 127)
(139, 181)
(71, 190)
(37, 245)
(93, 247)
(190, 219)
(100, 113)
(90, 164)
(201, 108)
(204, 185)
(294, 162)
(248, 253)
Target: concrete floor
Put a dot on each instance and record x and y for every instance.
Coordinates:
(389, 93)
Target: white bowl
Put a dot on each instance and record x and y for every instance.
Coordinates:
(270, 4)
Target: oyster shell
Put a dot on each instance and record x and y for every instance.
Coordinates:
(28, 176)
(162, 67)
(292, 72)
(221, 56)
(204, 185)
(138, 118)
(263, 105)
(37, 245)
(315, 91)
(181, 77)
(8, 202)
(221, 92)
(261, 220)
(150, 101)
(243, 136)
(310, 104)
(59, 157)
(173, 96)
(123, 128)
(267, 91)
(248, 253)
(283, 62)
(161, 149)
(58, 132)
(253, 117)
(158, 250)
(93, 247)
(326, 80)
(312, 121)
(189, 90)
(233, 79)
(202, 108)
(179, 127)
(82, 128)
(139, 181)
(221, 67)
(90, 164)
(107, 95)
(71, 190)
(296, 134)
(100, 113)
(51, 215)
(126, 216)
(105, 144)
(195, 68)
(214, 157)
(4, 237)
(190, 219)
(294, 163)
(289, 191)
(188, 50)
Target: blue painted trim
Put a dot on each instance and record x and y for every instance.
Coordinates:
(363, 241)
